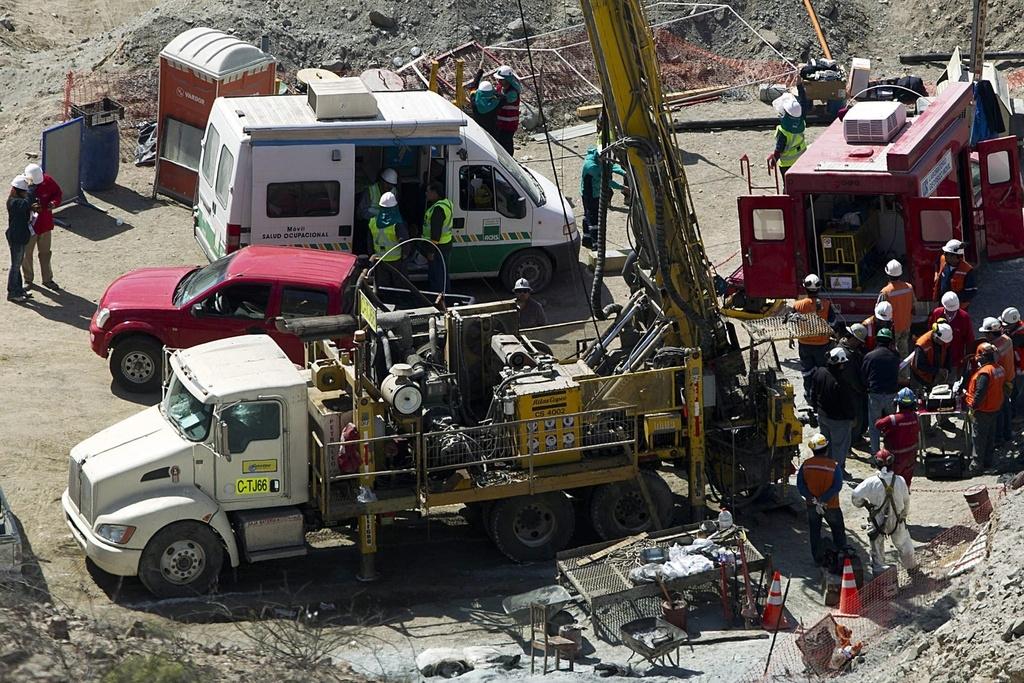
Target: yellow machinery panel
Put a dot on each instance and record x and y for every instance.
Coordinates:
(550, 409)
(784, 429)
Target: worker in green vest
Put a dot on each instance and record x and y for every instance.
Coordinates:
(366, 208)
(388, 230)
(437, 227)
(789, 135)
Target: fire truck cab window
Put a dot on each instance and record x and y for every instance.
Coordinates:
(936, 226)
(998, 167)
(769, 224)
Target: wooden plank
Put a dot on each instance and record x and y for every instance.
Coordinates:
(591, 111)
(600, 554)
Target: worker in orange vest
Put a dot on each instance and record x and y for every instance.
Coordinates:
(931, 360)
(1014, 329)
(819, 481)
(812, 349)
(985, 398)
(954, 274)
(991, 331)
(900, 295)
(880, 320)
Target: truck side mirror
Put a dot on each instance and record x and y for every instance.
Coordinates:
(221, 440)
(520, 207)
(197, 310)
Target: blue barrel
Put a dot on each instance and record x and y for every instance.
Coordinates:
(101, 156)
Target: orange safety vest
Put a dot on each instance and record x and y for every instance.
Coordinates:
(819, 475)
(956, 282)
(1004, 356)
(993, 401)
(808, 306)
(929, 346)
(901, 296)
(873, 325)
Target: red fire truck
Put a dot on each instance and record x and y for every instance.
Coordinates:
(877, 186)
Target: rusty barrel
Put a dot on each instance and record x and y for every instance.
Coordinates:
(978, 500)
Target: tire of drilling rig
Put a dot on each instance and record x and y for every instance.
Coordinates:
(722, 494)
(618, 509)
(532, 528)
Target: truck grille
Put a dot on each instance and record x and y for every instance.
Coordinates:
(74, 483)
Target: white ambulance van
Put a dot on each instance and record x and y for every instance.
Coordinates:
(289, 170)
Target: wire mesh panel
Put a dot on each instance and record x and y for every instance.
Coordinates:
(790, 326)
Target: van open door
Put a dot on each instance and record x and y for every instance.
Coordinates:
(770, 244)
(1002, 198)
(931, 222)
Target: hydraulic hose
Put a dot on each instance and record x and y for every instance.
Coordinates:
(602, 228)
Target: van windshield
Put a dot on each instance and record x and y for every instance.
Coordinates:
(201, 279)
(190, 416)
(522, 176)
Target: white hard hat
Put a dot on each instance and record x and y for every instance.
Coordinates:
(522, 285)
(954, 247)
(944, 333)
(390, 176)
(34, 172)
(1011, 316)
(504, 71)
(20, 182)
(883, 311)
(951, 302)
(894, 268)
(793, 108)
(859, 331)
(817, 442)
(485, 86)
(837, 356)
(812, 282)
(388, 199)
(990, 324)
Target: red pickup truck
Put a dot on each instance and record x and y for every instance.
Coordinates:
(241, 293)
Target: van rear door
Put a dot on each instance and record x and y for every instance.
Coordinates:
(302, 194)
(931, 222)
(1002, 198)
(770, 244)
(210, 219)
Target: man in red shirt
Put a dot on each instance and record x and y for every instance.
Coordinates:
(44, 191)
(962, 345)
(900, 432)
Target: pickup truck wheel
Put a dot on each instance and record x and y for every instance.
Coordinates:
(531, 528)
(618, 509)
(533, 264)
(136, 364)
(181, 560)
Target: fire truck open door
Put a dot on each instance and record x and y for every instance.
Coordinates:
(1002, 198)
(931, 222)
(771, 246)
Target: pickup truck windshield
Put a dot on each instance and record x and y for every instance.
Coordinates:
(201, 279)
(522, 176)
(186, 412)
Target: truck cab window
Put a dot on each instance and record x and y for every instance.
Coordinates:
(304, 199)
(186, 412)
(303, 303)
(476, 188)
(509, 202)
(252, 421)
(248, 302)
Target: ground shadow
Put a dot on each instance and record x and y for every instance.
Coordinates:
(30, 583)
(91, 224)
(147, 399)
(127, 199)
(62, 306)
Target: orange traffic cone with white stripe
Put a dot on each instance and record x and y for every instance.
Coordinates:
(849, 598)
(773, 618)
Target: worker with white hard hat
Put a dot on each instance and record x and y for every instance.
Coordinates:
(984, 398)
(880, 319)
(19, 210)
(531, 312)
(46, 194)
(368, 206)
(833, 400)
(1014, 329)
(931, 360)
(853, 342)
(959, 320)
(886, 497)
(819, 480)
(388, 230)
(991, 331)
(900, 294)
(812, 348)
(483, 102)
(510, 93)
(789, 134)
(954, 274)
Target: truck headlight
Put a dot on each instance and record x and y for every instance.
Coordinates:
(115, 533)
(102, 316)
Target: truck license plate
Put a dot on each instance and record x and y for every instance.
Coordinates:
(252, 486)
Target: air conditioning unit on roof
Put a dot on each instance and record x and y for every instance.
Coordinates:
(874, 122)
(345, 98)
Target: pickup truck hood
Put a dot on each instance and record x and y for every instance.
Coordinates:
(149, 288)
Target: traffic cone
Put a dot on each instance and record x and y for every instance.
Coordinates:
(849, 597)
(773, 618)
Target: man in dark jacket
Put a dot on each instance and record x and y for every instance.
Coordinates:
(853, 343)
(833, 399)
(881, 370)
(19, 210)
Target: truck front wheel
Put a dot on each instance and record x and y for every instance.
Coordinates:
(531, 528)
(619, 509)
(532, 264)
(136, 364)
(181, 560)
